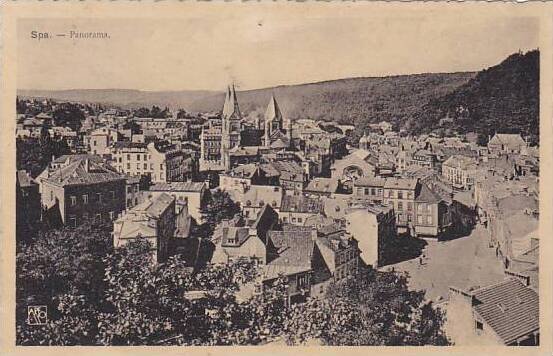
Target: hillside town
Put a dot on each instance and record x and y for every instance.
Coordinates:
(300, 200)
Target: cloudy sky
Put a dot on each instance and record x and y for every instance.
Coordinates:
(258, 51)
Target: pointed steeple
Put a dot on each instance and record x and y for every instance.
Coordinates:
(273, 111)
(230, 108)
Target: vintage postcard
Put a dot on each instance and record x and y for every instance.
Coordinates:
(193, 175)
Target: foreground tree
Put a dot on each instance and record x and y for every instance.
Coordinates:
(219, 207)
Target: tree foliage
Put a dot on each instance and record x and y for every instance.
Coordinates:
(219, 207)
(34, 155)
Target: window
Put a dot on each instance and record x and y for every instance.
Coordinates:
(51, 195)
(300, 220)
(72, 220)
(400, 194)
(145, 166)
(303, 280)
(129, 189)
(429, 220)
(138, 157)
(479, 325)
(421, 207)
(98, 217)
(85, 198)
(136, 188)
(120, 159)
(73, 200)
(128, 166)
(293, 219)
(161, 166)
(112, 194)
(373, 191)
(409, 206)
(129, 202)
(429, 208)
(419, 219)
(366, 191)
(111, 215)
(128, 157)
(138, 166)
(400, 206)
(145, 156)
(99, 197)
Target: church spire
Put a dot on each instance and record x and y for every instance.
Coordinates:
(230, 108)
(273, 111)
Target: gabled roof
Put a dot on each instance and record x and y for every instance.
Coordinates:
(273, 111)
(234, 236)
(294, 248)
(302, 204)
(400, 183)
(369, 182)
(258, 195)
(509, 308)
(322, 185)
(195, 187)
(511, 140)
(428, 196)
(83, 171)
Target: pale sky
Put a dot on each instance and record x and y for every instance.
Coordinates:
(259, 51)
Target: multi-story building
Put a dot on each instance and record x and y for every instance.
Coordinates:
(154, 221)
(82, 190)
(195, 193)
(296, 209)
(431, 214)
(216, 142)
(162, 161)
(504, 313)
(506, 143)
(100, 140)
(374, 227)
(341, 254)
(460, 171)
(400, 193)
(369, 189)
(27, 200)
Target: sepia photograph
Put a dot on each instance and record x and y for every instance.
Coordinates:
(277, 179)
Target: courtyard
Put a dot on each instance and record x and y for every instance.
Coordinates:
(463, 263)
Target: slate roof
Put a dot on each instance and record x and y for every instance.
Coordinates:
(301, 204)
(369, 182)
(426, 195)
(77, 173)
(509, 308)
(234, 236)
(258, 195)
(178, 187)
(511, 140)
(400, 183)
(294, 248)
(322, 185)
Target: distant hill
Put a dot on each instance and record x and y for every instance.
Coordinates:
(358, 101)
(124, 98)
(503, 98)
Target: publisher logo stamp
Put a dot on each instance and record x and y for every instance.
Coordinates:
(37, 315)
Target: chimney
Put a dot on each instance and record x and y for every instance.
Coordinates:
(86, 165)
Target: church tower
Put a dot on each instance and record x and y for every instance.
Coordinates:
(273, 120)
(230, 126)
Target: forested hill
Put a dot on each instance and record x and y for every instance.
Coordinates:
(357, 101)
(503, 98)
